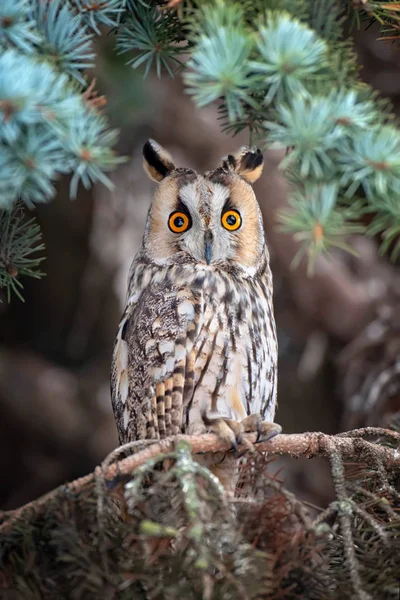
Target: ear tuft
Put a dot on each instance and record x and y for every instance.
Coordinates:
(248, 163)
(157, 162)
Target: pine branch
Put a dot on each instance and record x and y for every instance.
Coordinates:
(280, 69)
(104, 12)
(159, 520)
(49, 124)
(386, 14)
(17, 28)
(19, 244)
(48, 131)
(66, 41)
(288, 69)
(318, 223)
(154, 36)
(307, 445)
(294, 84)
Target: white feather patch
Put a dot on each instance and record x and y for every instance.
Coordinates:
(157, 373)
(166, 347)
(150, 346)
(156, 325)
(126, 417)
(170, 365)
(249, 270)
(186, 308)
(134, 298)
(123, 354)
(123, 386)
(122, 365)
(180, 352)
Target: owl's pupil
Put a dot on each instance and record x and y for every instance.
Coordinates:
(179, 222)
(231, 220)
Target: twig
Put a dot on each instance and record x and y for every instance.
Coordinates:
(344, 515)
(373, 523)
(372, 432)
(297, 506)
(378, 502)
(296, 445)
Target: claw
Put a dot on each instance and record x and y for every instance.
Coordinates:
(242, 453)
(270, 435)
(265, 430)
(268, 431)
(225, 429)
(259, 431)
(232, 431)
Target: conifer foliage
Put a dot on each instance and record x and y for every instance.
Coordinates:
(48, 126)
(282, 70)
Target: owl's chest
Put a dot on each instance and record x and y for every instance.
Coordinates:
(234, 351)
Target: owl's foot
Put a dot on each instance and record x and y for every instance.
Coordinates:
(225, 429)
(232, 431)
(265, 429)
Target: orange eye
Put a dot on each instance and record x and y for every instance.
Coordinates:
(179, 222)
(231, 220)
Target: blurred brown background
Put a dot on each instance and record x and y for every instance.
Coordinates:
(339, 332)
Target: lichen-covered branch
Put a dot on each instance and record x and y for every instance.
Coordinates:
(159, 520)
(349, 447)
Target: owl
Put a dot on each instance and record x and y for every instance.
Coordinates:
(196, 348)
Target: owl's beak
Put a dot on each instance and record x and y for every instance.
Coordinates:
(208, 240)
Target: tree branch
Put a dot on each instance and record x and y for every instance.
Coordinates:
(308, 445)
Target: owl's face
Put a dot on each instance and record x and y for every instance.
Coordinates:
(211, 219)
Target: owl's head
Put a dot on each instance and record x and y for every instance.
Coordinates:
(212, 218)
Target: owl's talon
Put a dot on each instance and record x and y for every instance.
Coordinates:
(241, 453)
(265, 430)
(225, 429)
(252, 423)
(259, 431)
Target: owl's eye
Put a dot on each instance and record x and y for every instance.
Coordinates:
(179, 222)
(231, 220)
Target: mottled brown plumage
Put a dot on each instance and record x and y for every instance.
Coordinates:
(196, 348)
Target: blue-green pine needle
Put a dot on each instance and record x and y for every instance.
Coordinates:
(371, 159)
(290, 56)
(220, 69)
(17, 26)
(68, 45)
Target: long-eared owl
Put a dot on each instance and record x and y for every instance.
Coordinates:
(196, 348)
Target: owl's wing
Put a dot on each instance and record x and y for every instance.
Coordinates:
(153, 362)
